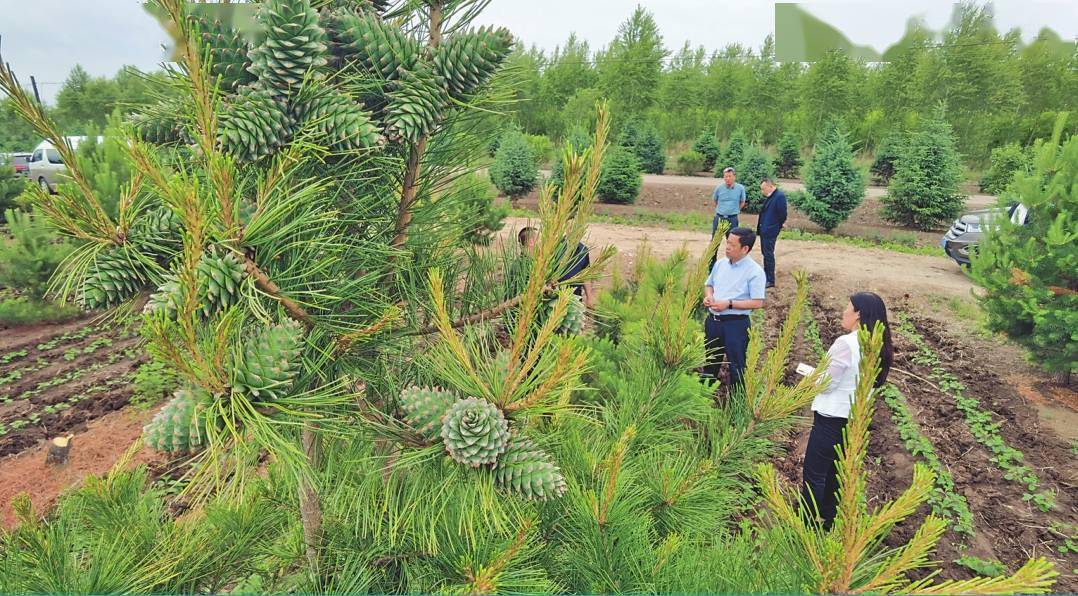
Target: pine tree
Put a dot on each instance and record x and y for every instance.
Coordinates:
(788, 161)
(514, 171)
(1028, 271)
(707, 145)
(834, 186)
(755, 164)
(1006, 162)
(925, 190)
(731, 156)
(620, 180)
(643, 140)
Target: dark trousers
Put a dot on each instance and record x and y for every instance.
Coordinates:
(729, 336)
(767, 246)
(715, 223)
(820, 472)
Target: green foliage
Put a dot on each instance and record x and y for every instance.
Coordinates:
(478, 213)
(30, 258)
(788, 161)
(690, 162)
(25, 310)
(620, 179)
(733, 153)
(514, 171)
(631, 66)
(642, 139)
(152, 382)
(15, 133)
(834, 186)
(106, 163)
(1006, 162)
(983, 567)
(887, 153)
(755, 164)
(708, 146)
(1028, 272)
(542, 148)
(11, 186)
(925, 190)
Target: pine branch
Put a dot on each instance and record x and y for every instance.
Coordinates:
(268, 286)
(1035, 577)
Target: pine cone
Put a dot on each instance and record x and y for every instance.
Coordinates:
(416, 104)
(475, 432)
(573, 321)
(270, 362)
(424, 408)
(158, 234)
(374, 47)
(167, 298)
(254, 124)
(467, 60)
(179, 426)
(527, 470)
(295, 44)
(159, 123)
(228, 52)
(113, 277)
(219, 279)
(337, 120)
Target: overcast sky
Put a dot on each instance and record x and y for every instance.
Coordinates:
(45, 38)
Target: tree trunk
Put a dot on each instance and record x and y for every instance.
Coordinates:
(58, 451)
(1063, 379)
(310, 509)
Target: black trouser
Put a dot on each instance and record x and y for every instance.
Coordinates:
(767, 246)
(729, 335)
(820, 472)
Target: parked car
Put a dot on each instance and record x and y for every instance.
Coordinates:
(47, 167)
(960, 242)
(20, 161)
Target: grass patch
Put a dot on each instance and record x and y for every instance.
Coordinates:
(905, 243)
(26, 311)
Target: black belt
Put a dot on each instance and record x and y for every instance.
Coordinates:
(729, 317)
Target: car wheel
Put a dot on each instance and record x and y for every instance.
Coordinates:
(44, 185)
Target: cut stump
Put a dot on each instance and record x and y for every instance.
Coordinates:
(58, 450)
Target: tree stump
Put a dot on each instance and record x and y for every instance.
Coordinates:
(58, 450)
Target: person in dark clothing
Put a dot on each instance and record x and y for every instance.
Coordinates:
(578, 262)
(734, 288)
(831, 408)
(768, 226)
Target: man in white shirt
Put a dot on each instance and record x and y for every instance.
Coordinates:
(734, 288)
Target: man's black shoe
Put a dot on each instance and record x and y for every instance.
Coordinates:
(769, 285)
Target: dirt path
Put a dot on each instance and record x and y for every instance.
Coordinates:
(885, 272)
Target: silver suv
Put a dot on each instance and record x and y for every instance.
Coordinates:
(960, 242)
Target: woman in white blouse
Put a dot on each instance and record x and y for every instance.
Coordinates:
(831, 407)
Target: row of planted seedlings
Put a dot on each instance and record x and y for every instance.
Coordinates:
(33, 417)
(978, 420)
(945, 500)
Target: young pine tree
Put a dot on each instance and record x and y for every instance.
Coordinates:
(620, 180)
(925, 190)
(1028, 271)
(834, 186)
(788, 161)
(731, 156)
(754, 165)
(707, 145)
(643, 140)
(514, 171)
(1006, 161)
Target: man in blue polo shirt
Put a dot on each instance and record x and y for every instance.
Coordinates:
(734, 288)
(729, 200)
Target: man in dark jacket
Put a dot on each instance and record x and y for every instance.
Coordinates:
(772, 218)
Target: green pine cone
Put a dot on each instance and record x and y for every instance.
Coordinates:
(271, 360)
(527, 470)
(295, 45)
(338, 121)
(254, 124)
(417, 102)
(475, 432)
(179, 426)
(363, 40)
(219, 279)
(167, 298)
(575, 314)
(228, 52)
(159, 123)
(113, 277)
(158, 233)
(424, 409)
(467, 60)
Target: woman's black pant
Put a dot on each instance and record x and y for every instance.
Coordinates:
(820, 472)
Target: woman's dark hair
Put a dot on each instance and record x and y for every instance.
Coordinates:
(871, 309)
